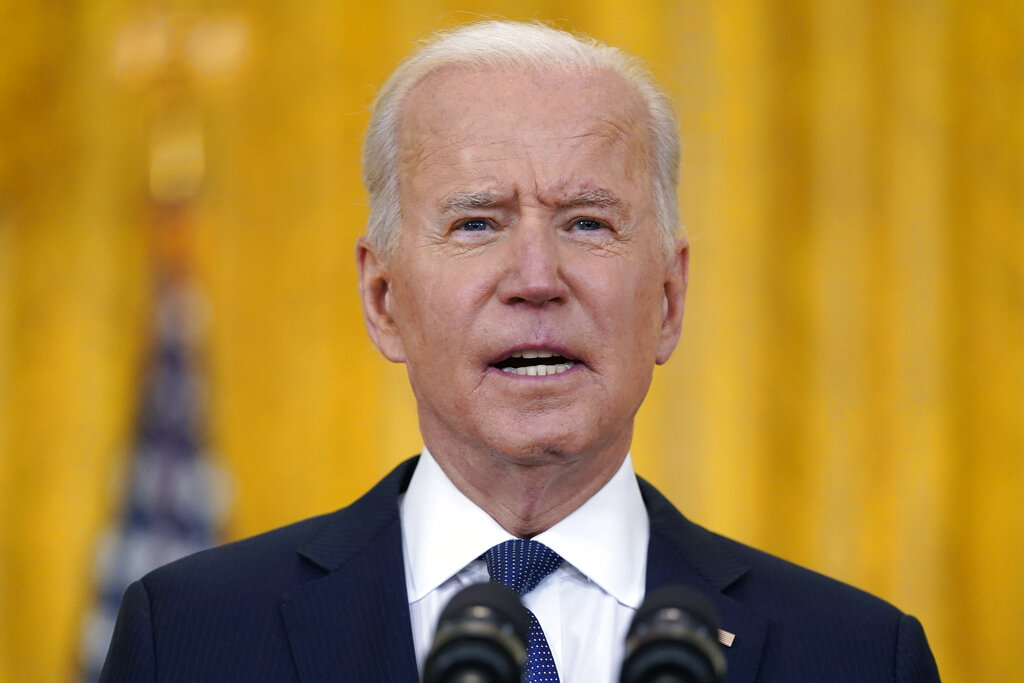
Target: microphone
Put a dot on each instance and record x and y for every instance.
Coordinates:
(480, 638)
(673, 638)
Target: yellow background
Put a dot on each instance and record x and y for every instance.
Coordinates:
(849, 392)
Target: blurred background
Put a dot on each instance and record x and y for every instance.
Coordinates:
(183, 360)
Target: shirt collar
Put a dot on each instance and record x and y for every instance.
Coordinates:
(605, 538)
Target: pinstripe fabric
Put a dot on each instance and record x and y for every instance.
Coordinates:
(302, 603)
(791, 624)
(133, 632)
(324, 601)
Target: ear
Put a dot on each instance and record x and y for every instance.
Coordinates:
(675, 296)
(375, 294)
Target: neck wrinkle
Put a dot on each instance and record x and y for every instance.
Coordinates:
(527, 500)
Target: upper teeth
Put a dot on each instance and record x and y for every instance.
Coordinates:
(532, 353)
(538, 370)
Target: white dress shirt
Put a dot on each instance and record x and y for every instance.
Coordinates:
(584, 607)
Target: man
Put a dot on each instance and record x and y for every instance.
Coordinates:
(522, 261)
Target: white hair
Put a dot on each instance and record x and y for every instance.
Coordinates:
(516, 45)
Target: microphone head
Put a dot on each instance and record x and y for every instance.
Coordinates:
(481, 636)
(674, 638)
(695, 607)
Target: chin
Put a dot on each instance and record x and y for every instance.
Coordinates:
(534, 453)
(534, 445)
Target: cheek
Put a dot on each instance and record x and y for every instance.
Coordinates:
(643, 330)
(630, 306)
(433, 314)
(414, 316)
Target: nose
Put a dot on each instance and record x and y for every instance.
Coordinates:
(533, 267)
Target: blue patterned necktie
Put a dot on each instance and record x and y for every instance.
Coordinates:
(521, 565)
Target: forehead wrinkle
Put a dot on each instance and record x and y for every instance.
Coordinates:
(623, 131)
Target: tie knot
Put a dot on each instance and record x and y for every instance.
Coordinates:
(521, 564)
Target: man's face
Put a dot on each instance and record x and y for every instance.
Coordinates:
(530, 294)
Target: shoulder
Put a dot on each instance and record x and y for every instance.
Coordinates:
(750, 575)
(218, 614)
(828, 626)
(189, 618)
(779, 586)
(251, 564)
(809, 626)
(290, 554)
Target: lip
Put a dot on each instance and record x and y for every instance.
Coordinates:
(512, 376)
(556, 349)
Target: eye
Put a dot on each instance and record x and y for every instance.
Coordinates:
(587, 224)
(473, 225)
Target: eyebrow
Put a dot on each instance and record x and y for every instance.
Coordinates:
(458, 202)
(597, 197)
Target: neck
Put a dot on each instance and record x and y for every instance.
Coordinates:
(527, 496)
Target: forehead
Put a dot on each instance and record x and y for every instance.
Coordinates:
(561, 123)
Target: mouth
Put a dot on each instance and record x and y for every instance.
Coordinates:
(535, 363)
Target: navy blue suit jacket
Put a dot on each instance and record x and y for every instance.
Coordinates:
(324, 600)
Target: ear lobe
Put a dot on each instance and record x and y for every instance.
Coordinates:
(675, 298)
(376, 297)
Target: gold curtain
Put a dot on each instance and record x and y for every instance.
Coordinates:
(849, 392)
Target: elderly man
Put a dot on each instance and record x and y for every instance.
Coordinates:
(522, 262)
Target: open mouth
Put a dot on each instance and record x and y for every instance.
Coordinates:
(535, 362)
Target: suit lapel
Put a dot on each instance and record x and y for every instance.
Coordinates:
(353, 623)
(681, 552)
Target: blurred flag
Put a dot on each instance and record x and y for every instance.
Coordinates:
(175, 496)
